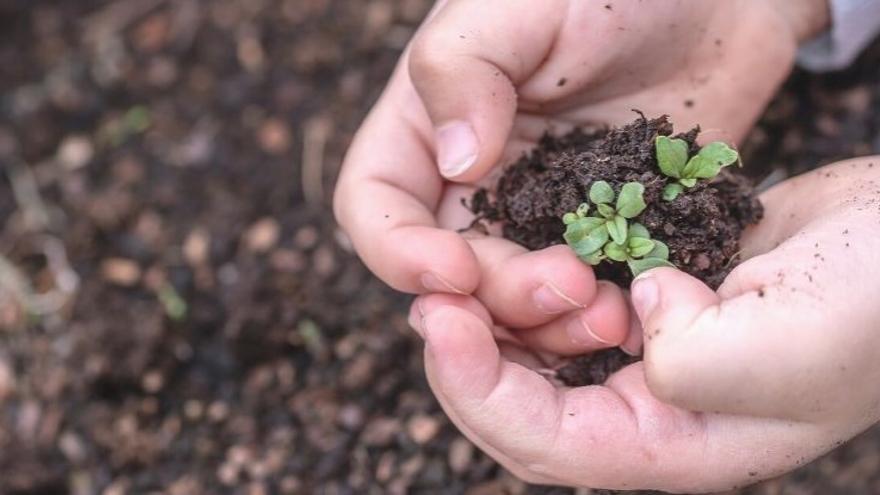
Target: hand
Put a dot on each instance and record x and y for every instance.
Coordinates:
(779, 366)
(484, 79)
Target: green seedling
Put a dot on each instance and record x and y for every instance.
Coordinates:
(672, 157)
(173, 304)
(608, 235)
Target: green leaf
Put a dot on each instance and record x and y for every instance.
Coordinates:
(701, 167)
(631, 200)
(591, 243)
(616, 252)
(593, 258)
(605, 210)
(174, 305)
(661, 250)
(637, 267)
(719, 153)
(672, 155)
(582, 210)
(601, 193)
(639, 247)
(638, 230)
(569, 218)
(671, 191)
(617, 228)
(688, 182)
(580, 228)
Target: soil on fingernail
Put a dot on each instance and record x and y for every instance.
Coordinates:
(702, 226)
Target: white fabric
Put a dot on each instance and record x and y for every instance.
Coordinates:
(855, 23)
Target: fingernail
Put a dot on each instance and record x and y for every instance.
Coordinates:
(457, 148)
(435, 283)
(645, 295)
(551, 300)
(630, 350)
(580, 333)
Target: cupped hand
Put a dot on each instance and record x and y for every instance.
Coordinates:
(794, 331)
(480, 84)
(776, 368)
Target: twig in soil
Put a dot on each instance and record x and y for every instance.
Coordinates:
(316, 132)
(27, 195)
(36, 218)
(66, 281)
(115, 17)
(185, 21)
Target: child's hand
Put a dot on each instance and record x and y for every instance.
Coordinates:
(484, 79)
(794, 331)
(781, 365)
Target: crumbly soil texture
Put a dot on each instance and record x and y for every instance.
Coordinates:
(702, 227)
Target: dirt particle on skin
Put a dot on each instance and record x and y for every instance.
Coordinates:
(608, 6)
(761, 293)
(719, 42)
(753, 473)
(561, 82)
(689, 103)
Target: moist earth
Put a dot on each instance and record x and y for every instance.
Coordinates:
(702, 227)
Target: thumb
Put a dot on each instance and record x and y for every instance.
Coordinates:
(738, 355)
(465, 64)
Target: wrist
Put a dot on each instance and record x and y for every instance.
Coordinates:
(806, 18)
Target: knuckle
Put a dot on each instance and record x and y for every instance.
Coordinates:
(525, 474)
(341, 206)
(427, 57)
(663, 374)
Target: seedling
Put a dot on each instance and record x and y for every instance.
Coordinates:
(607, 234)
(672, 157)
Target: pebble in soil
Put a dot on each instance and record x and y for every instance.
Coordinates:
(702, 227)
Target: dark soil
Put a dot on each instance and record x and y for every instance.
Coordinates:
(293, 370)
(702, 226)
(593, 369)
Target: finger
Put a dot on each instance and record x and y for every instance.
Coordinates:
(423, 305)
(604, 323)
(770, 324)
(386, 197)
(524, 289)
(763, 352)
(617, 437)
(465, 64)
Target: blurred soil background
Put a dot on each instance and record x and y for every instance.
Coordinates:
(179, 313)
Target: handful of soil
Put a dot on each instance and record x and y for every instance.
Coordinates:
(701, 227)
